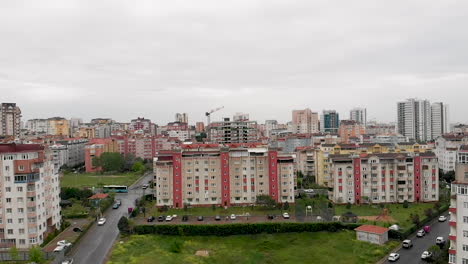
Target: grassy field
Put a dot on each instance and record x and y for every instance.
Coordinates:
(400, 214)
(94, 180)
(318, 247)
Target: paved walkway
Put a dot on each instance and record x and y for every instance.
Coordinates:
(68, 233)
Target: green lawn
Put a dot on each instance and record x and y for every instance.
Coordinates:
(320, 247)
(93, 180)
(400, 214)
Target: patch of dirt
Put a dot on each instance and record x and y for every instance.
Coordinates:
(202, 253)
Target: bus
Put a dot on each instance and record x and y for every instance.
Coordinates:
(115, 188)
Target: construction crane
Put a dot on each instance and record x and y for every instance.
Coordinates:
(208, 114)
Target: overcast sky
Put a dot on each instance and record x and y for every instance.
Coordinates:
(123, 59)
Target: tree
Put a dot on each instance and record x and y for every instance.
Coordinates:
(138, 167)
(437, 206)
(213, 207)
(111, 161)
(415, 219)
(14, 254)
(436, 252)
(36, 255)
(286, 206)
(124, 225)
(428, 212)
(266, 200)
(348, 205)
(405, 204)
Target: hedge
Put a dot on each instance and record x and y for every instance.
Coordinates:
(240, 229)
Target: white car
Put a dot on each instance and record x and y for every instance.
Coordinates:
(101, 221)
(285, 215)
(442, 218)
(145, 186)
(64, 243)
(233, 217)
(440, 241)
(393, 257)
(426, 255)
(421, 233)
(59, 248)
(68, 261)
(169, 218)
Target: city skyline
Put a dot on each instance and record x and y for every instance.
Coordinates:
(266, 58)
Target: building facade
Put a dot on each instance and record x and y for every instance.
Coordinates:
(212, 174)
(10, 120)
(384, 178)
(330, 121)
(305, 121)
(29, 195)
(458, 207)
(227, 132)
(439, 119)
(446, 149)
(359, 115)
(350, 129)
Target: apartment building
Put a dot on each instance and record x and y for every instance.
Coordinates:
(305, 121)
(95, 148)
(59, 126)
(29, 195)
(458, 251)
(37, 126)
(10, 120)
(227, 132)
(213, 174)
(330, 121)
(306, 158)
(446, 148)
(142, 124)
(350, 129)
(181, 118)
(384, 178)
(359, 115)
(439, 119)
(74, 150)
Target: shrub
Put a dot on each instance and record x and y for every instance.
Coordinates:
(175, 247)
(123, 225)
(405, 204)
(240, 229)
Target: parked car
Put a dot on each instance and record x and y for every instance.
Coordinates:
(426, 255)
(407, 244)
(393, 257)
(169, 218)
(161, 218)
(427, 229)
(145, 186)
(421, 233)
(200, 218)
(233, 217)
(185, 218)
(116, 206)
(150, 219)
(67, 261)
(285, 215)
(119, 202)
(77, 230)
(442, 218)
(101, 221)
(59, 248)
(218, 218)
(271, 217)
(64, 243)
(440, 241)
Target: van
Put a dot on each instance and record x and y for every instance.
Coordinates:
(407, 244)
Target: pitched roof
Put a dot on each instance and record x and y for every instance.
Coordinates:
(372, 229)
(99, 196)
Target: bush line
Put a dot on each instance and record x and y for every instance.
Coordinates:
(240, 229)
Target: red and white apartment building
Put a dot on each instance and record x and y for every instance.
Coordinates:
(385, 178)
(217, 174)
(458, 251)
(29, 195)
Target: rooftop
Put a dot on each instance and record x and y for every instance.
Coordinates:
(12, 148)
(372, 229)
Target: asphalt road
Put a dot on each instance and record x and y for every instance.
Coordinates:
(98, 241)
(420, 245)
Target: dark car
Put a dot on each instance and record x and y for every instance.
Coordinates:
(185, 218)
(77, 230)
(150, 219)
(161, 218)
(271, 217)
(200, 218)
(116, 206)
(218, 218)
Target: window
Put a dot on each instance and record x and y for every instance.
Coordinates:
(9, 210)
(10, 221)
(20, 220)
(465, 233)
(8, 189)
(21, 168)
(8, 200)
(465, 219)
(22, 241)
(465, 247)
(10, 231)
(7, 178)
(19, 189)
(21, 231)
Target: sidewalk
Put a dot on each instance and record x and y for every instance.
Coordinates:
(68, 233)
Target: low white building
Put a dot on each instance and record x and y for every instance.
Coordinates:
(446, 150)
(372, 234)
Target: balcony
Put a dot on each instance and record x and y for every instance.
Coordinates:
(453, 223)
(452, 251)
(453, 210)
(453, 238)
